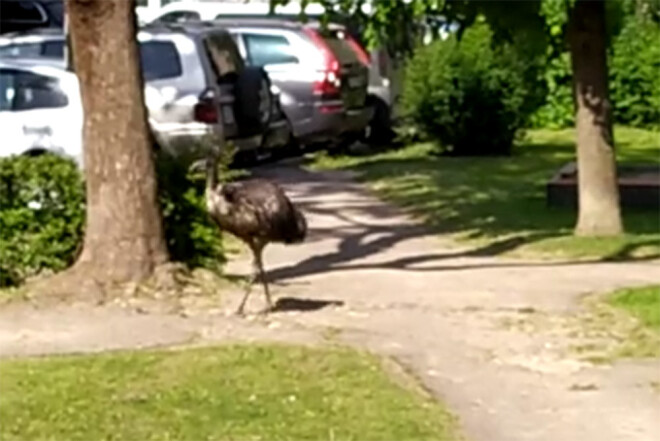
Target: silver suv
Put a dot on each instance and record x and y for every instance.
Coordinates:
(192, 75)
(321, 78)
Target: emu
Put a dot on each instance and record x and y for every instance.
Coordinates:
(257, 212)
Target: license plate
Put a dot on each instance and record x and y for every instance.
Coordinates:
(354, 82)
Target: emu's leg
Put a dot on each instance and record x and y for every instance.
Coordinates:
(257, 273)
(253, 278)
(262, 275)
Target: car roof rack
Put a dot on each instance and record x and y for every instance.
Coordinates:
(183, 27)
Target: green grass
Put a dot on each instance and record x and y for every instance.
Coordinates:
(234, 392)
(621, 324)
(641, 302)
(499, 203)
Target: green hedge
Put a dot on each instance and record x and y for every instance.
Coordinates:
(42, 216)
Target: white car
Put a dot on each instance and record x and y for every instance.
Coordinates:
(40, 109)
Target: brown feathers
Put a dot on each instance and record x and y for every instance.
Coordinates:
(260, 209)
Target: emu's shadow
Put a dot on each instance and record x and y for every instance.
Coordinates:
(288, 304)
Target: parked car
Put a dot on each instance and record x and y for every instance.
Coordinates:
(379, 92)
(193, 74)
(24, 15)
(322, 80)
(40, 109)
(34, 44)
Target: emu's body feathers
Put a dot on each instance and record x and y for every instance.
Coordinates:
(259, 210)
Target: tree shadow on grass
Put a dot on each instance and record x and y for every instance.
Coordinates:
(499, 201)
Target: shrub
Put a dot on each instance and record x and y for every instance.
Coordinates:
(470, 96)
(41, 215)
(634, 62)
(42, 212)
(558, 110)
(635, 74)
(192, 237)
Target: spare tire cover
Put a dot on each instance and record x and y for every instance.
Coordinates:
(253, 101)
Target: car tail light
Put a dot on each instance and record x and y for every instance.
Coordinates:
(327, 84)
(362, 55)
(205, 111)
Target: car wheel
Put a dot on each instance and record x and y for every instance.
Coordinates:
(380, 130)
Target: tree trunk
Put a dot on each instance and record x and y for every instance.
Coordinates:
(599, 212)
(124, 238)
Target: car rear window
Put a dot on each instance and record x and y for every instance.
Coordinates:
(28, 50)
(160, 60)
(268, 49)
(48, 49)
(340, 46)
(21, 90)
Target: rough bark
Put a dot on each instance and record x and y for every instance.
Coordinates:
(599, 211)
(124, 238)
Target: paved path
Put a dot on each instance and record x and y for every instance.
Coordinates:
(488, 336)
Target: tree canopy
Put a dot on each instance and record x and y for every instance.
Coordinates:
(400, 25)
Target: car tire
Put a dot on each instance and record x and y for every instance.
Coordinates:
(253, 101)
(380, 126)
(343, 145)
(292, 148)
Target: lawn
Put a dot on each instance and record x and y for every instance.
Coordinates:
(630, 320)
(641, 302)
(499, 203)
(231, 392)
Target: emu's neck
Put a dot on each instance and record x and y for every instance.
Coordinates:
(211, 172)
(215, 204)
